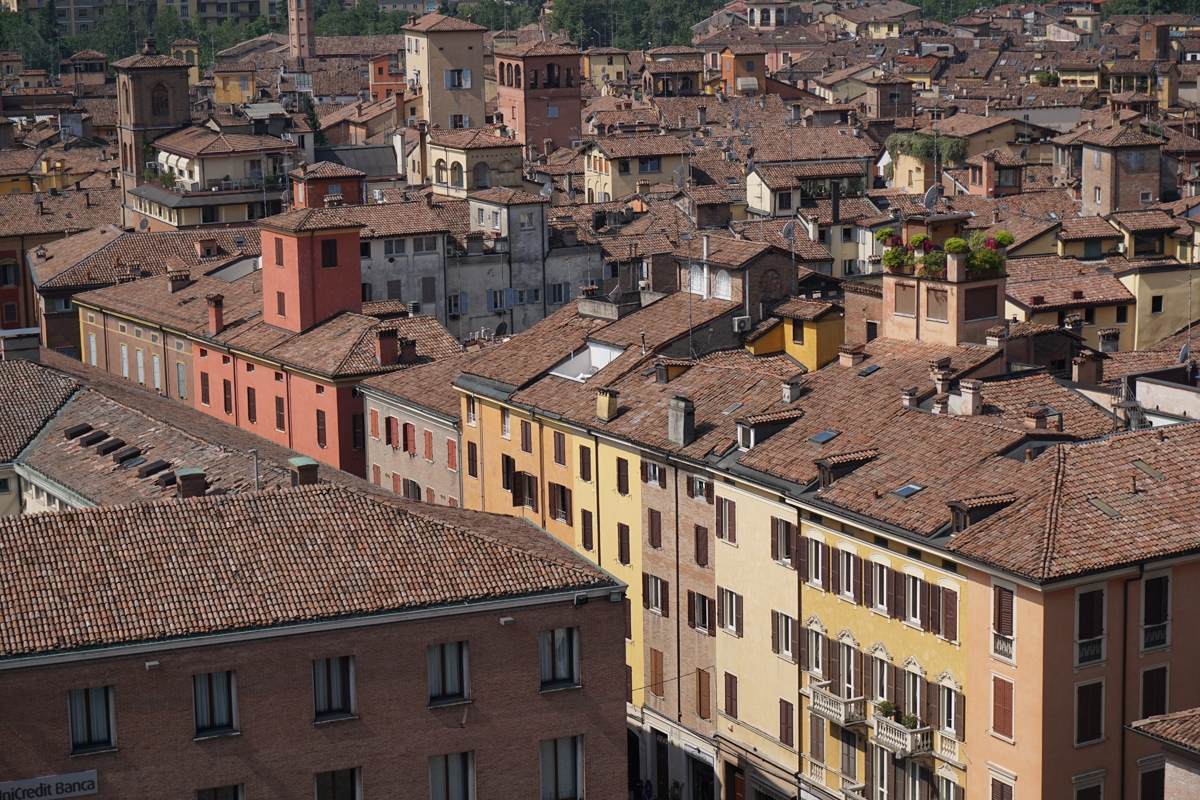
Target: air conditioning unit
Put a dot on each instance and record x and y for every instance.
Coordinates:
(377, 194)
(152, 166)
(1121, 247)
(741, 324)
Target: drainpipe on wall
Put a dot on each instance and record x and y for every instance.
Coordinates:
(1125, 664)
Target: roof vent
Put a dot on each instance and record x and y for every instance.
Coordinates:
(93, 438)
(153, 468)
(76, 430)
(121, 456)
(111, 445)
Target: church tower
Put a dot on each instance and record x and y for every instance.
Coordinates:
(302, 36)
(152, 101)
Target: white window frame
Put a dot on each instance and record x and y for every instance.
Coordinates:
(654, 587)
(912, 599)
(505, 424)
(471, 412)
(652, 469)
(700, 612)
(878, 587)
(469, 777)
(1075, 707)
(1103, 638)
(730, 601)
(846, 574)
(785, 625)
(814, 562)
(816, 662)
(947, 706)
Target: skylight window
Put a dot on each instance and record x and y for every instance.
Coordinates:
(824, 436)
(732, 408)
(1149, 470)
(871, 370)
(908, 490)
(1105, 507)
(732, 181)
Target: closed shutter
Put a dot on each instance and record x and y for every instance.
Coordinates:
(690, 483)
(410, 438)
(662, 477)
(472, 460)
(429, 445)
(1156, 601)
(774, 539)
(1154, 692)
(1001, 790)
(645, 590)
(834, 667)
(518, 489)
(835, 562)
(850, 754)
(857, 582)
(869, 754)
(703, 695)
(396, 482)
(526, 436)
(1002, 611)
(622, 476)
(645, 468)
(691, 604)
(664, 589)
(950, 615)
(960, 716)
(731, 521)
(868, 579)
(374, 424)
(656, 672)
(251, 405)
(1091, 614)
(935, 609)
(720, 607)
(228, 392)
(552, 500)
(1089, 706)
(720, 518)
(585, 521)
(775, 632)
(279, 414)
(560, 448)
(712, 614)
(825, 566)
(923, 603)
(654, 519)
(321, 440)
(816, 744)
(802, 559)
(623, 543)
(901, 582)
(798, 636)
(933, 705)
(731, 695)
(708, 492)
(804, 635)
(702, 545)
(737, 610)
(429, 290)
(452, 454)
(585, 463)
(1002, 706)
(786, 721)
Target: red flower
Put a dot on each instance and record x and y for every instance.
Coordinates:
(990, 244)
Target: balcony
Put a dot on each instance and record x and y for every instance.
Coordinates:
(854, 791)
(835, 709)
(1002, 645)
(270, 183)
(1090, 651)
(946, 747)
(904, 742)
(1154, 636)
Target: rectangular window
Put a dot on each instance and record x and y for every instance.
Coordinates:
(471, 411)
(980, 303)
(1001, 790)
(559, 498)
(1002, 707)
(622, 476)
(726, 520)
(251, 405)
(787, 721)
(701, 546)
(452, 455)
(279, 414)
(220, 792)
(906, 300)
(227, 395)
(783, 633)
(654, 527)
(656, 594)
(1156, 304)
(586, 532)
(560, 449)
(333, 687)
(731, 695)
(124, 360)
(729, 611)
(508, 471)
(472, 460)
(1155, 612)
(321, 440)
(329, 253)
(559, 656)
(447, 671)
(1002, 621)
(451, 777)
(91, 724)
(700, 613)
(526, 436)
(1154, 691)
(1089, 629)
(278, 252)
(703, 694)
(623, 543)
(585, 463)
(214, 702)
(562, 768)
(1089, 712)
(1152, 784)
(341, 784)
(656, 672)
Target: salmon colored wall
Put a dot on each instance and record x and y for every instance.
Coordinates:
(313, 293)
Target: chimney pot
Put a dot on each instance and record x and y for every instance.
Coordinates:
(791, 388)
(178, 280)
(190, 482)
(972, 397)
(681, 421)
(408, 350)
(941, 404)
(303, 470)
(1035, 417)
(908, 397)
(606, 404)
(216, 313)
(386, 346)
(851, 354)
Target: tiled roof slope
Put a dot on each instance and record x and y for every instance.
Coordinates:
(29, 397)
(214, 565)
(1056, 530)
(1008, 400)
(1180, 728)
(430, 386)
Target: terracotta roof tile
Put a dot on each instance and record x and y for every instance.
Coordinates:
(30, 396)
(1180, 728)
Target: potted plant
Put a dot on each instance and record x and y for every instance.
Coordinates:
(957, 252)
(933, 265)
(1004, 240)
(986, 260)
(921, 242)
(910, 721)
(899, 259)
(887, 709)
(883, 234)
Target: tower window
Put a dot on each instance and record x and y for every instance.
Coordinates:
(160, 100)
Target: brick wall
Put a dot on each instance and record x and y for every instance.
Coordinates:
(861, 308)
(279, 748)
(1181, 780)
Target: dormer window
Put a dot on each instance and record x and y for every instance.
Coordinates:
(745, 437)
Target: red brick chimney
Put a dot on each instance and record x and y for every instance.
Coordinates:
(408, 351)
(386, 347)
(216, 313)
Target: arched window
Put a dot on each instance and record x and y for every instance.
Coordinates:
(685, 84)
(724, 287)
(508, 75)
(128, 106)
(517, 80)
(439, 171)
(766, 16)
(483, 175)
(696, 281)
(591, 196)
(772, 288)
(456, 175)
(160, 100)
(179, 55)
(751, 16)
(189, 57)
(552, 76)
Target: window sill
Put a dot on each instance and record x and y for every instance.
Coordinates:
(222, 734)
(1101, 740)
(95, 751)
(559, 687)
(450, 702)
(1003, 738)
(1090, 664)
(334, 718)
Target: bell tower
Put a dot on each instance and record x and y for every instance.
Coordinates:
(152, 101)
(302, 37)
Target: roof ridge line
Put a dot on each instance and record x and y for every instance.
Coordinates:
(1050, 536)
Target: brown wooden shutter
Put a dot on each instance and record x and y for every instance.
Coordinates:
(774, 539)
(1003, 611)
(737, 609)
(585, 463)
(825, 673)
(1154, 692)
(1089, 705)
(923, 603)
(935, 609)
(526, 436)
(645, 590)
(1091, 614)
(702, 545)
(786, 721)
(665, 590)
(857, 579)
(628, 619)
(656, 672)
(720, 529)
(1002, 708)
(731, 695)
(896, 686)
(825, 566)
(720, 607)
(802, 559)
(691, 603)
(835, 561)
(933, 705)
(518, 489)
(708, 491)
(731, 519)
(228, 391)
(869, 769)
(775, 632)
(867, 687)
(1156, 601)
(703, 694)
(868, 580)
(655, 520)
(560, 448)
(803, 649)
(960, 716)
(622, 476)
(712, 614)
(950, 615)
(834, 667)
(374, 424)
(623, 543)
(1001, 790)
(429, 445)
(816, 746)
(662, 476)
(553, 501)
(690, 481)
(857, 675)
(645, 470)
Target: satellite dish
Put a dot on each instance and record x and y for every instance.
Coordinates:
(502, 329)
(789, 231)
(931, 198)
(571, 196)
(547, 190)
(1024, 153)
(1185, 352)
(143, 225)
(679, 170)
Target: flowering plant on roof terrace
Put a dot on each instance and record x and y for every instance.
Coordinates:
(920, 242)
(884, 233)
(1004, 238)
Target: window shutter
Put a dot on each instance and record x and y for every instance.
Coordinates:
(553, 501)
(868, 580)
(834, 666)
(466, 73)
(452, 454)
(1002, 706)
(720, 607)
(802, 559)
(794, 628)
(960, 701)
(691, 486)
(1091, 614)
(731, 527)
(410, 438)
(720, 518)
(708, 492)
(585, 463)
(923, 603)
(825, 566)
(395, 481)
(774, 539)
(775, 632)
(664, 589)
(702, 546)
(857, 579)
(901, 583)
(645, 590)
(702, 693)
(935, 609)
(712, 614)
(1003, 611)
(645, 471)
(462, 303)
(824, 642)
(1154, 692)
(662, 477)
(933, 705)
(737, 610)
(896, 687)
(1156, 601)
(622, 476)
(856, 678)
(804, 658)
(785, 722)
(429, 445)
(623, 543)
(836, 564)
(691, 602)
(869, 765)
(374, 424)
(950, 615)
(866, 688)
(654, 518)
(567, 292)
(518, 489)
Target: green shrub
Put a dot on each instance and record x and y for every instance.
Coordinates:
(898, 259)
(986, 260)
(910, 721)
(883, 233)
(887, 709)
(956, 245)
(1004, 238)
(918, 241)
(932, 264)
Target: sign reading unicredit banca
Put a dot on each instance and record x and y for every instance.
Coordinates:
(73, 784)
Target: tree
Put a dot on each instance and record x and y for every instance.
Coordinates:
(169, 27)
(48, 22)
(310, 112)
